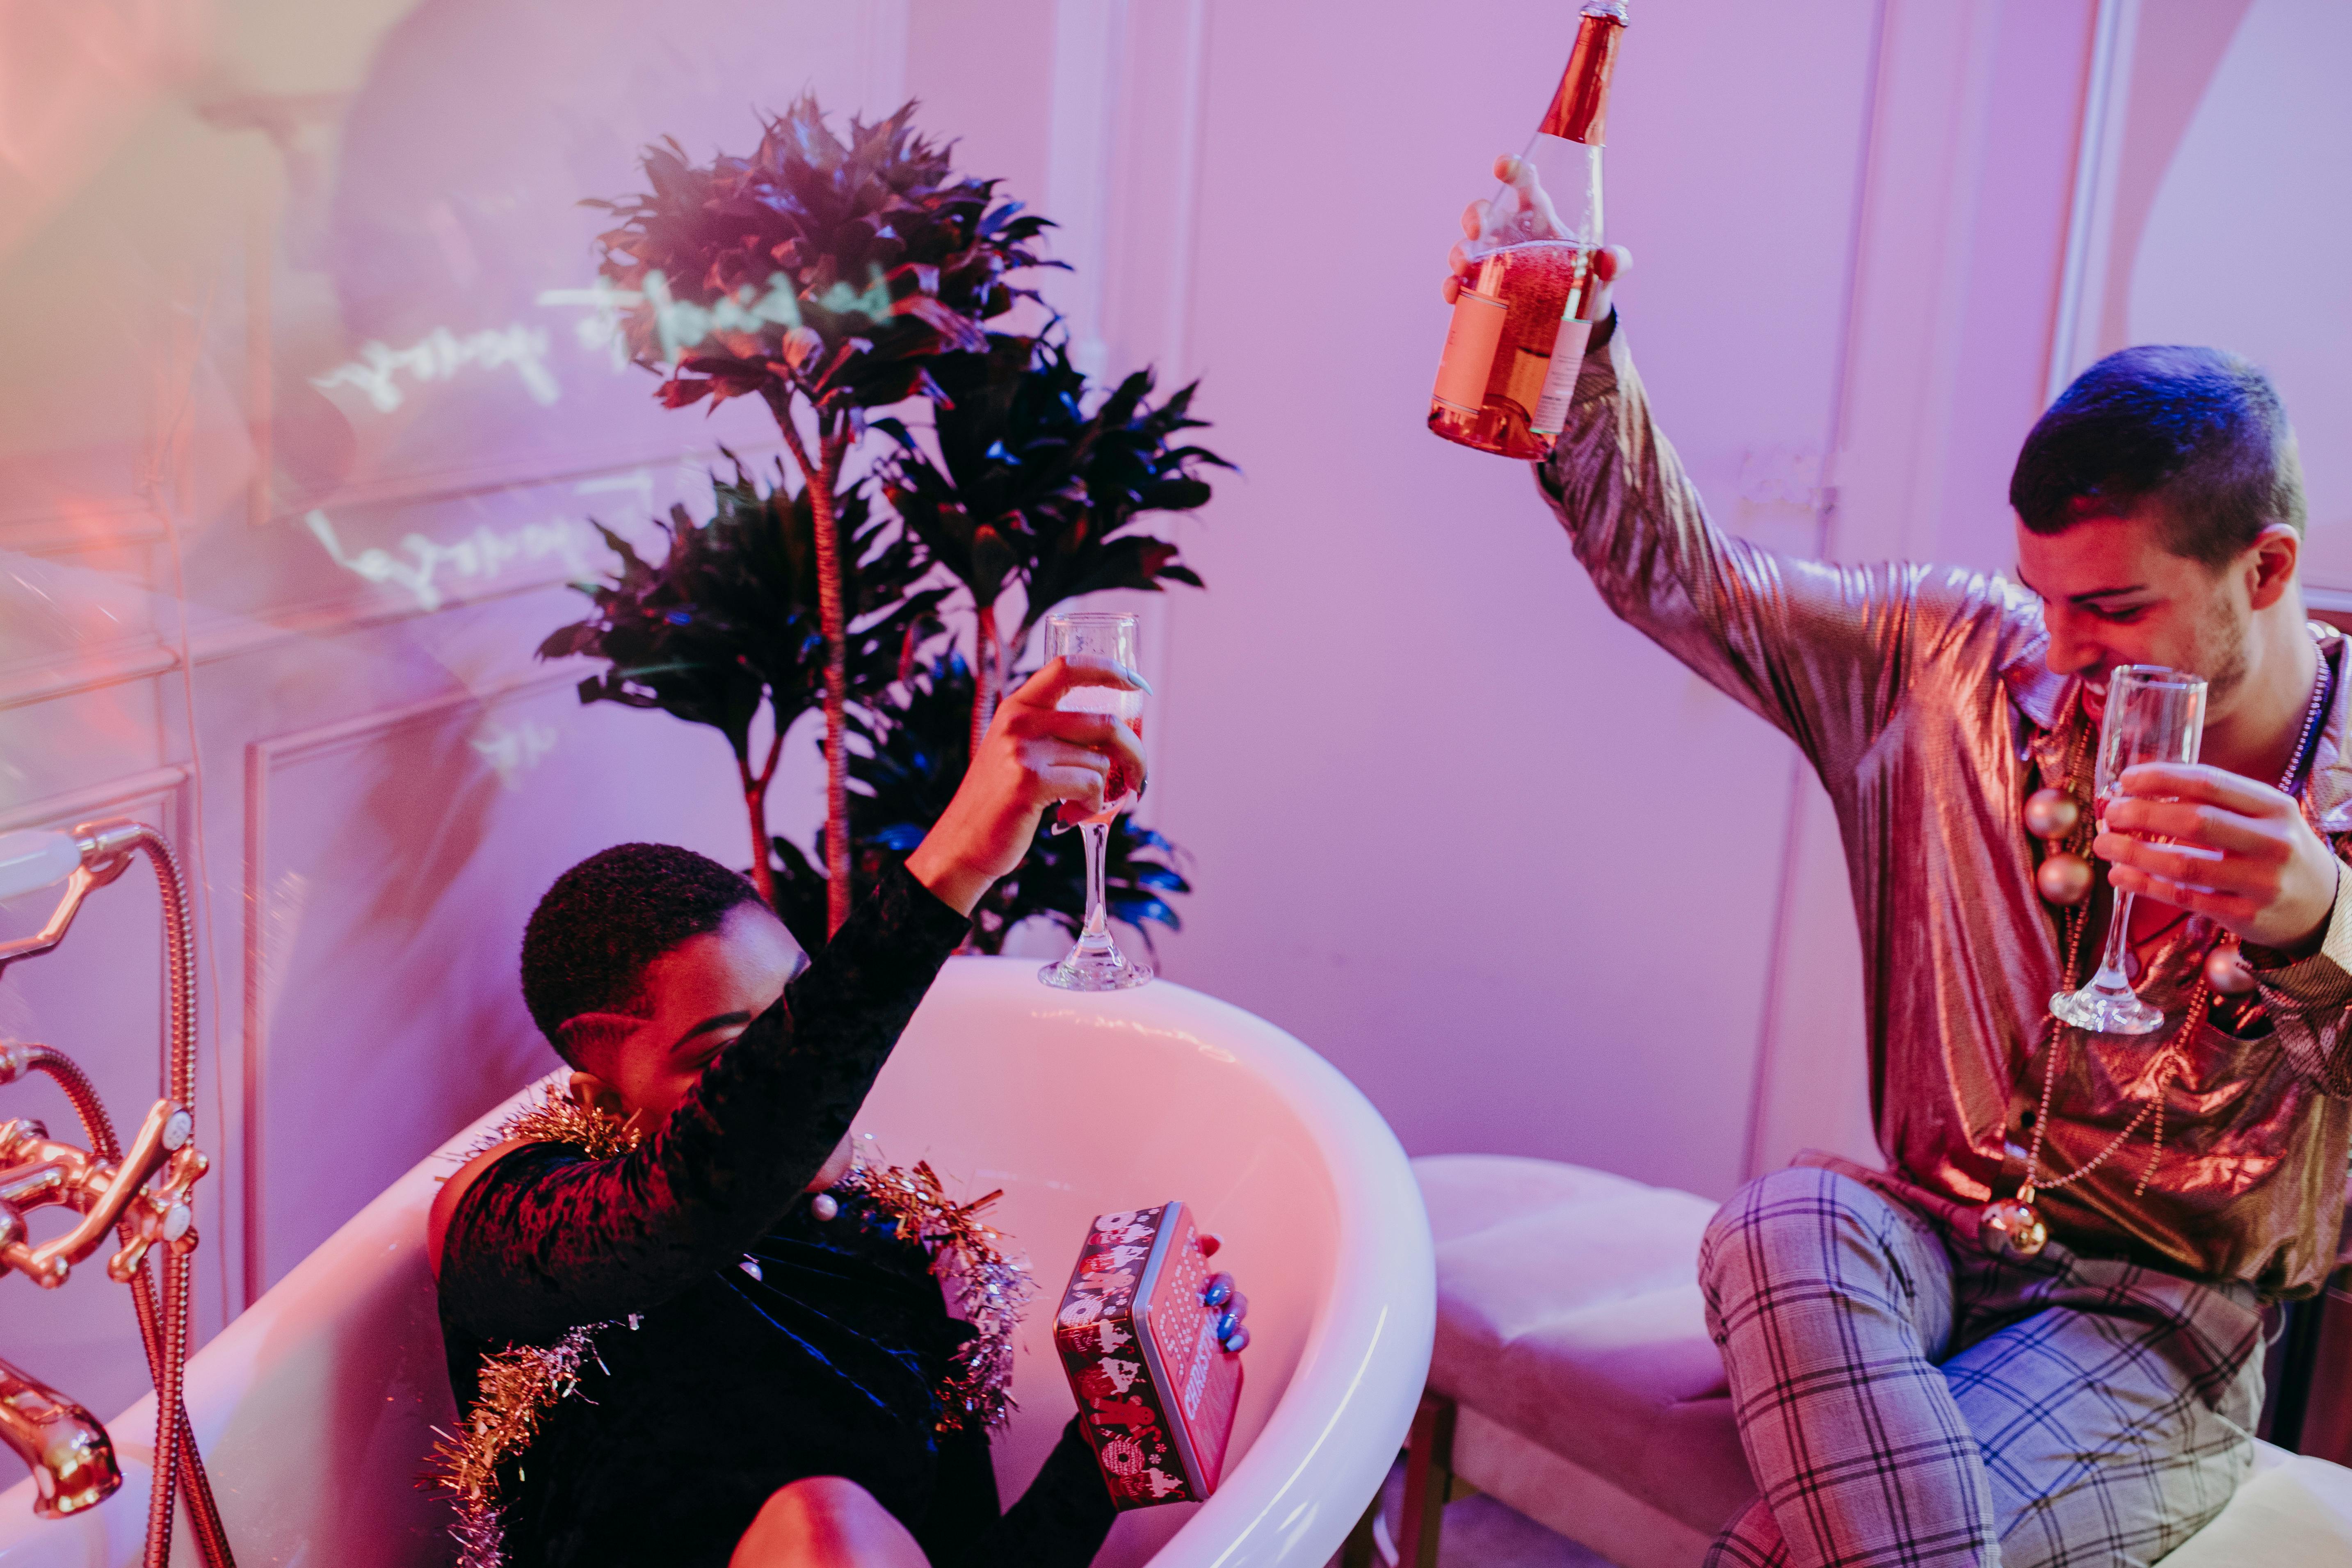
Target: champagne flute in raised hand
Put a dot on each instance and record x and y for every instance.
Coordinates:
(1094, 962)
(2154, 715)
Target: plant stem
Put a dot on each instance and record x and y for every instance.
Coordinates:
(755, 801)
(819, 477)
(987, 675)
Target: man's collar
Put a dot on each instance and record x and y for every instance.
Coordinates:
(2039, 691)
(2329, 794)
(2042, 694)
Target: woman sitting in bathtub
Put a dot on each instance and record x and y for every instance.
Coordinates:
(759, 1379)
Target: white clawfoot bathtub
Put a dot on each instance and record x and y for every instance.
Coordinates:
(314, 1409)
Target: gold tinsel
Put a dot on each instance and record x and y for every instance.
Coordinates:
(557, 1118)
(516, 1386)
(989, 1289)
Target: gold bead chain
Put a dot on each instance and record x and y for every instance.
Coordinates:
(2175, 1053)
(2078, 921)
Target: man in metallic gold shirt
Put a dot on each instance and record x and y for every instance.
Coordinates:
(1915, 1385)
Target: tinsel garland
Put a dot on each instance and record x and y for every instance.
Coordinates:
(989, 1289)
(518, 1384)
(557, 1118)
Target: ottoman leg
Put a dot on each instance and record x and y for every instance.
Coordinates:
(1360, 1549)
(1428, 1482)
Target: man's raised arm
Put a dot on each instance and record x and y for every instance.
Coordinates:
(1821, 651)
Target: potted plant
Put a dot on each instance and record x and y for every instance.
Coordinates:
(821, 276)
(790, 597)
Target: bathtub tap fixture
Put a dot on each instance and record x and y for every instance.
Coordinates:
(142, 1196)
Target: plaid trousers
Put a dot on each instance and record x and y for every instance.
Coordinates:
(1906, 1397)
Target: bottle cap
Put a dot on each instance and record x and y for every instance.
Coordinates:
(1580, 108)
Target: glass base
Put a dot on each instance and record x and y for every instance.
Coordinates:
(1101, 968)
(2106, 1012)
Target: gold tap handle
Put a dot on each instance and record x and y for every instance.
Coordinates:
(162, 1212)
(168, 1127)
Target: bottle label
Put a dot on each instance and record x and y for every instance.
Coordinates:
(1559, 380)
(1470, 344)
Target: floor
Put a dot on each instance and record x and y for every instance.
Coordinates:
(1481, 1533)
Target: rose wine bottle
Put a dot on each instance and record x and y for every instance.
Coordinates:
(1519, 322)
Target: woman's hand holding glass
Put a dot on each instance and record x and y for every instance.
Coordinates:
(1094, 962)
(1035, 758)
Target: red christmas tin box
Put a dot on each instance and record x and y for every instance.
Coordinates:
(1156, 1390)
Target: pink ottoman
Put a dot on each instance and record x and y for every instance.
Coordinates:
(1573, 1378)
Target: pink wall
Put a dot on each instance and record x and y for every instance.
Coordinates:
(1509, 868)
(1527, 882)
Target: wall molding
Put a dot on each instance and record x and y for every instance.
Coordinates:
(2091, 215)
(81, 804)
(439, 488)
(40, 535)
(26, 684)
(344, 614)
(368, 609)
(39, 680)
(264, 758)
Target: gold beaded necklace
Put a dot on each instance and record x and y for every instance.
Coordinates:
(2014, 1223)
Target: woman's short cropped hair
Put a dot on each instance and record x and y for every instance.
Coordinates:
(587, 945)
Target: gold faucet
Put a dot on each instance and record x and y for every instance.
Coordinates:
(63, 1445)
(139, 1196)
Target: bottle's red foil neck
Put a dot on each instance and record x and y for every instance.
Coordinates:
(1580, 108)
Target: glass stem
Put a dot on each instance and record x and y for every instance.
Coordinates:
(2111, 976)
(1097, 934)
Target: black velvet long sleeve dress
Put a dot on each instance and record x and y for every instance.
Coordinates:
(749, 1345)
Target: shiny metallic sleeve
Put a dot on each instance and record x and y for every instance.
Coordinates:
(1821, 651)
(2309, 1001)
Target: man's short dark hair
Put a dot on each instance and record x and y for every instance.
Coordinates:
(2201, 428)
(587, 945)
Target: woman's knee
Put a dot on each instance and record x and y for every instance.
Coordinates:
(825, 1522)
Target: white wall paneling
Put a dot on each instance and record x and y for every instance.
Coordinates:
(266, 196)
(1800, 889)
(1452, 823)
(2208, 217)
(38, 680)
(397, 806)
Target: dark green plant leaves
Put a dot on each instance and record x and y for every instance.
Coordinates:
(1027, 485)
(831, 268)
(728, 619)
(1134, 464)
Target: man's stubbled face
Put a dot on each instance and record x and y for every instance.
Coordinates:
(2113, 595)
